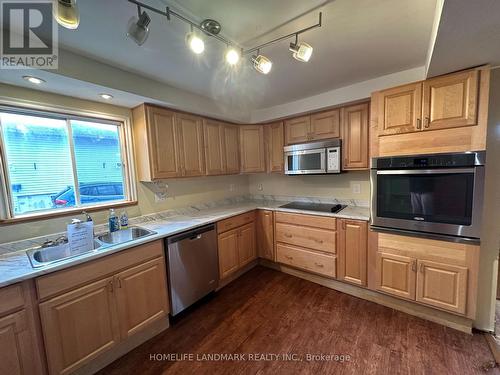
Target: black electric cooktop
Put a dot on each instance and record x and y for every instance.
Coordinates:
(318, 207)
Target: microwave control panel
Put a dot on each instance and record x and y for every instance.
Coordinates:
(333, 160)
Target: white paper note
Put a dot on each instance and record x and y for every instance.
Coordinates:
(81, 236)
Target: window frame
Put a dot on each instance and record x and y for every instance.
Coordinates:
(67, 114)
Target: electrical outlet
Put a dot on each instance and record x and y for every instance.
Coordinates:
(231, 187)
(160, 197)
(260, 187)
(356, 188)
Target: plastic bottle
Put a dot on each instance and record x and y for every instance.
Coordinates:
(114, 223)
(124, 220)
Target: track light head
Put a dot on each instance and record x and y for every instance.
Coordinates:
(194, 42)
(232, 56)
(138, 28)
(262, 64)
(66, 13)
(301, 52)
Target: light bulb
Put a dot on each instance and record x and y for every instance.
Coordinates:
(138, 28)
(35, 80)
(106, 96)
(301, 52)
(232, 56)
(262, 64)
(195, 43)
(66, 13)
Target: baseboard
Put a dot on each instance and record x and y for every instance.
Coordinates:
(449, 320)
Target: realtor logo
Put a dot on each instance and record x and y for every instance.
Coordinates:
(28, 35)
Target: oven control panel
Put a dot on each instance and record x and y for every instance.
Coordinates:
(427, 161)
(333, 160)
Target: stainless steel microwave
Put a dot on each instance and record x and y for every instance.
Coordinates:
(438, 194)
(313, 158)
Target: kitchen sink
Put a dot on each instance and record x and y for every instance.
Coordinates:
(125, 235)
(41, 256)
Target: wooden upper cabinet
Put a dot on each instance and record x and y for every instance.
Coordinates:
(156, 143)
(191, 146)
(298, 130)
(325, 125)
(451, 101)
(396, 275)
(274, 143)
(355, 137)
(353, 252)
(442, 285)
(213, 132)
(231, 149)
(400, 109)
(252, 149)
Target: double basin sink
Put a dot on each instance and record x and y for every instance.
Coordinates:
(44, 255)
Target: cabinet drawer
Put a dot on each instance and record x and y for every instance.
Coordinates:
(306, 259)
(11, 298)
(317, 239)
(323, 222)
(235, 221)
(70, 278)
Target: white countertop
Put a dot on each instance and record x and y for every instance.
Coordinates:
(15, 266)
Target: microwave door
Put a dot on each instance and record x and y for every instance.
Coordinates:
(305, 162)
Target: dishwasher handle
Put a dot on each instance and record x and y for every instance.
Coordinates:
(192, 235)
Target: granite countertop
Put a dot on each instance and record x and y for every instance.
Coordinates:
(15, 266)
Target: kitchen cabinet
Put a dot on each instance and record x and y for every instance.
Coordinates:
(191, 147)
(355, 137)
(111, 298)
(274, 147)
(213, 132)
(236, 243)
(231, 149)
(315, 127)
(353, 248)
(252, 151)
(307, 242)
(450, 101)
(396, 275)
(156, 143)
(265, 234)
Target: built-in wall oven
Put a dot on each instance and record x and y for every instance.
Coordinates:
(439, 194)
(313, 158)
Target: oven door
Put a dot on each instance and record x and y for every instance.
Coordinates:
(440, 201)
(305, 161)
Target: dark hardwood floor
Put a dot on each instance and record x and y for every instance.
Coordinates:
(269, 312)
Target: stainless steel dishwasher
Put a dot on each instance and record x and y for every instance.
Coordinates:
(193, 267)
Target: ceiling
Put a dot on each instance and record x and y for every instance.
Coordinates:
(359, 40)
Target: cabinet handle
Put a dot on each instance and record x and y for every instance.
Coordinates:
(110, 286)
(422, 268)
(119, 282)
(419, 123)
(343, 224)
(288, 257)
(414, 266)
(427, 122)
(319, 265)
(316, 240)
(288, 235)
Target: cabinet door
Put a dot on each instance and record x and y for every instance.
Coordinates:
(252, 149)
(325, 125)
(141, 296)
(231, 149)
(400, 109)
(298, 130)
(265, 234)
(79, 325)
(16, 345)
(246, 244)
(355, 137)
(353, 251)
(191, 147)
(451, 101)
(164, 151)
(275, 155)
(228, 252)
(213, 132)
(396, 275)
(442, 285)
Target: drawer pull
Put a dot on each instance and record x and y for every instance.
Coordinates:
(319, 265)
(288, 235)
(288, 257)
(316, 240)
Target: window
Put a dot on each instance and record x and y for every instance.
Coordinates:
(57, 162)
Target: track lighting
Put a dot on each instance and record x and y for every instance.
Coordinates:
(66, 13)
(194, 42)
(262, 64)
(232, 56)
(138, 29)
(302, 51)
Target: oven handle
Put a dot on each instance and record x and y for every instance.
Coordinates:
(428, 171)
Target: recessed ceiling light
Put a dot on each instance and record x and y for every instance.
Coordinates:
(106, 96)
(35, 80)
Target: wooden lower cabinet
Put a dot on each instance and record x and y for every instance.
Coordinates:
(236, 246)
(353, 248)
(323, 264)
(396, 275)
(265, 234)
